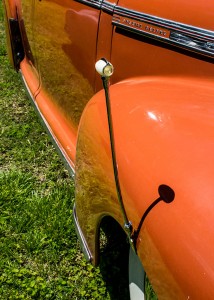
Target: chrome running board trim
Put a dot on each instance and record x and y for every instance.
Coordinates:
(45, 124)
(81, 237)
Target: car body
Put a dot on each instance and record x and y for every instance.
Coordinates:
(146, 160)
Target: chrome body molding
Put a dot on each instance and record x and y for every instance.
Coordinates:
(81, 238)
(204, 47)
(185, 36)
(108, 7)
(54, 141)
(68, 166)
(181, 35)
(91, 3)
(172, 25)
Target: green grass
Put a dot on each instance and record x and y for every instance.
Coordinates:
(40, 257)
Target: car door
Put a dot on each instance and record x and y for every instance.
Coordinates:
(64, 35)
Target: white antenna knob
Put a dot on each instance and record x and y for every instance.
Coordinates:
(104, 67)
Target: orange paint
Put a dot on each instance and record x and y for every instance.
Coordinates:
(162, 113)
(63, 130)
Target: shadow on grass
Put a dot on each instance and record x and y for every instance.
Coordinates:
(114, 254)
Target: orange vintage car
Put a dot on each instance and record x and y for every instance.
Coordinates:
(125, 89)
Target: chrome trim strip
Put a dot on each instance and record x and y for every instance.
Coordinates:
(70, 169)
(186, 29)
(197, 45)
(81, 237)
(91, 3)
(185, 36)
(181, 35)
(54, 141)
(105, 6)
(108, 7)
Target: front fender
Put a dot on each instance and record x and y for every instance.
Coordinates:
(163, 130)
(95, 190)
(164, 134)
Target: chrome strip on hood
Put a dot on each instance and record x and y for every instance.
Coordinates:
(194, 39)
(185, 36)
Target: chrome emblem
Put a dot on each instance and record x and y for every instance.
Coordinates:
(185, 36)
(142, 26)
(156, 30)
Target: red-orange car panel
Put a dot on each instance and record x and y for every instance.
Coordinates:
(158, 132)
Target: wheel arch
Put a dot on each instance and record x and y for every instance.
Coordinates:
(96, 194)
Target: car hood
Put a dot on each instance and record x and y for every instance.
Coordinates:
(195, 13)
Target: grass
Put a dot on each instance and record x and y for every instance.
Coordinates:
(40, 257)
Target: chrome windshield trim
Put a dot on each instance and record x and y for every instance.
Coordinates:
(185, 36)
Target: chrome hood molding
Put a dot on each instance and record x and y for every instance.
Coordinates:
(184, 36)
(194, 39)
